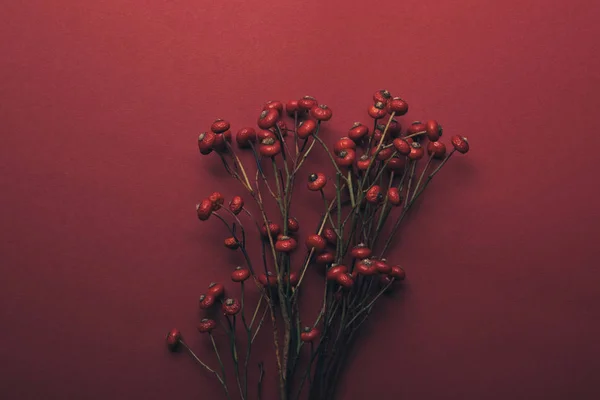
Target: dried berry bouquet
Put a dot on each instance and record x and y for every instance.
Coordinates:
(377, 175)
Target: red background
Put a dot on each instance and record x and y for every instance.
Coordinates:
(100, 105)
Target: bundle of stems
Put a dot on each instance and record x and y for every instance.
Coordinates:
(373, 192)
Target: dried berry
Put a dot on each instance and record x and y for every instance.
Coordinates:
(219, 126)
(365, 268)
(306, 128)
(382, 96)
(382, 266)
(231, 306)
(434, 130)
(291, 107)
(206, 301)
(285, 244)
(267, 280)
(316, 181)
(217, 200)
(394, 196)
(293, 224)
(416, 151)
(377, 110)
(358, 131)
(204, 209)
(316, 242)
(206, 325)
(321, 112)
(398, 273)
(236, 204)
(374, 195)
(306, 103)
(173, 339)
(206, 140)
(436, 149)
(335, 270)
(274, 105)
(267, 119)
(345, 158)
(397, 106)
(361, 251)
(231, 243)
(460, 144)
(269, 147)
(216, 289)
(402, 146)
(245, 137)
(330, 235)
(345, 280)
(325, 258)
(344, 143)
(309, 334)
(240, 274)
(274, 229)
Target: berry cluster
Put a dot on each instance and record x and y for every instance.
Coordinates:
(378, 173)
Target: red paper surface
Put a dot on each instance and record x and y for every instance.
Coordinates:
(101, 253)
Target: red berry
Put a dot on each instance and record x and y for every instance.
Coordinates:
(206, 325)
(293, 224)
(345, 158)
(365, 268)
(402, 146)
(245, 137)
(335, 270)
(382, 96)
(231, 306)
(396, 163)
(377, 110)
(384, 153)
(437, 149)
(374, 195)
(394, 196)
(216, 289)
(274, 105)
(358, 131)
(434, 130)
(173, 339)
(204, 209)
(309, 334)
(398, 273)
(221, 140)
(306, 128)
(231, 243)
(267, 119)
(219, 126)
(240, 274)
(460, 143)
(416, 151)
(330, 235)
(273, 228)
(361, 251)
(321, 112)
(285, 244)
(206, 301)
(269, 279)
(325, 258)
(417, 128)
(206, 140)
(306, 103)
(397, 105)
(291, 107)
(282, 127)
(363, 162)
(217, 200)
(236, 205)
(269, 147)
(394, 129)
(382, 266)
(294, 279)
(316, 242)
(265, 134)
(344, 143)
(345, 280)
(316, 181)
